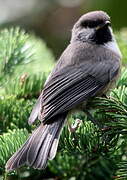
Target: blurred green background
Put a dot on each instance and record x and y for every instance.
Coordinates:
(58, 22)
(27, 55)
(52, 20)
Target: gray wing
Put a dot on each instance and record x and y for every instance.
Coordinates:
(36, 110)
(73, 85)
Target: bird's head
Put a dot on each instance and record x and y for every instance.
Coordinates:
(93, 27)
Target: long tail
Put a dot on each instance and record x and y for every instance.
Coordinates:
(40, 146)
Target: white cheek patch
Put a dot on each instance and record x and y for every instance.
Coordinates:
(112, 45)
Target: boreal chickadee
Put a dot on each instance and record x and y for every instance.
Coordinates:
(88, 67)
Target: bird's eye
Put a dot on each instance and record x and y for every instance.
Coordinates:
(84, 24)
(91, 24)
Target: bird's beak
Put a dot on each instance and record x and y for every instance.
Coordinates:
(106, 23)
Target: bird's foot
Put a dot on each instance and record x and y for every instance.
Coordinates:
(105, 96)
(73, 127)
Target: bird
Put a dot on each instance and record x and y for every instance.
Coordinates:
(88, 67)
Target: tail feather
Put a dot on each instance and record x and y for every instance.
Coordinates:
(18, 159)
(40, 146)
(35, 146)
(53, 149)
(40, 162)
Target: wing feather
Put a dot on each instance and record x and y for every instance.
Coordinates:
(72, 96)
(68, 86)
(74, 85)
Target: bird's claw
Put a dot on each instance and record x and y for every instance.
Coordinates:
(73, 127)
